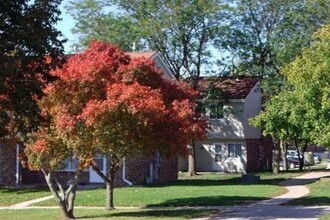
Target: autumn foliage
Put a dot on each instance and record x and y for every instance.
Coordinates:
(105, 102)
(116, 98)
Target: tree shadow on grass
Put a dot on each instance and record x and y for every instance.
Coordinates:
(209, 201)
(199, 182)
(23, 191)
(311, 201)
(220, 182)
(153, 214)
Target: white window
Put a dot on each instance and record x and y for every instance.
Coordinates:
(216, 111)
(234, 150)
(71, 164)
(218, 153)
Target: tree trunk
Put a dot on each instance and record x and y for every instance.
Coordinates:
(109, 197)
(301, 155)
(191, 160)
(65, 200)
(66, 215)
(70, 201)
(283, 152)
(276, 166)
(109, 182)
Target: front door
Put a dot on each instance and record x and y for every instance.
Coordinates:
(218, 158)
(100, 161)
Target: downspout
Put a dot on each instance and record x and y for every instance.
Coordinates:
(17, 165)
(124, 173)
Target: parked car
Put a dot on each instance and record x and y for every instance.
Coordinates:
(317, 158)
(293, 162)
(293, 155)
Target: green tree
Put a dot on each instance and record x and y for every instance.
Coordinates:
(97, 20)
(265, 35)
(29, 48)
(287, 120)
(183, 32)
(300, 114)
(309, 76)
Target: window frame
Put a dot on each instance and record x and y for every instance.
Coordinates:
(70, 164)
(216, 110)
(235, 155)
(218, 155)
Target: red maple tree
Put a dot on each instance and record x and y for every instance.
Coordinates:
(107, 103)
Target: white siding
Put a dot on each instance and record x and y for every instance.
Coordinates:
(252, 107)
(159, 63)
(233, 128)
(205, 156)
(229, 127)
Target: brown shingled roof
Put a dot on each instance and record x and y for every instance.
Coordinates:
(146, 54)
(231, 87)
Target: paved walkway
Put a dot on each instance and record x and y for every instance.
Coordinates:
(274, 208)
(266, 209)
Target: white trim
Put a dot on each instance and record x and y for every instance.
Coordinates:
(157, 55)
(124, 173)
(93, 176)
(217, 100)
(17, 165)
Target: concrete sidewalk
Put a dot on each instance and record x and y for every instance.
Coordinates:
(274, 208)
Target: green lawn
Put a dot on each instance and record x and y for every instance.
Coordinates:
(206, 189)
(100, 214)
(325, 217)
(210, 189)
(10, 196)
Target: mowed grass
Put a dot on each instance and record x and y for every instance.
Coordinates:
(10, 196)
(100, 214)
(319, 194)
(203, 190)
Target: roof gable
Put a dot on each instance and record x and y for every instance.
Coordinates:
(230, 87)
(146, 54)
(159, 62)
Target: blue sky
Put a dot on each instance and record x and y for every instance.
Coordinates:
(65, 26)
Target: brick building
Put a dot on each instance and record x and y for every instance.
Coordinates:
(137, 169)
(232, 144)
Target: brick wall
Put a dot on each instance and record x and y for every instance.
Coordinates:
(7, 162)
(169, 169)
(36, 177)
(259, 154)
(137, 169)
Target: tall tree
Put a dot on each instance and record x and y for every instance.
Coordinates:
(301, 114)
(97, 20)
(285, 118)
(309, 76)
(27, 36)
(181, 31)
(265, 35)
(107, 103)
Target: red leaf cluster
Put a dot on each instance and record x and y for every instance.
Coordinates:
(120, 105)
